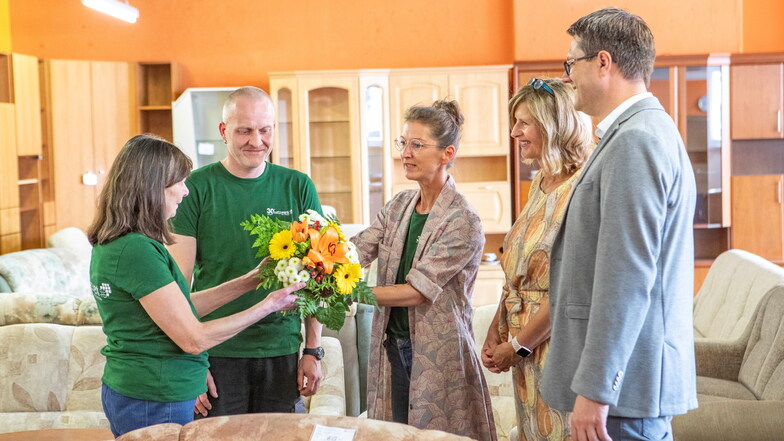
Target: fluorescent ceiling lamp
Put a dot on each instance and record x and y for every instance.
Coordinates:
(115, 8)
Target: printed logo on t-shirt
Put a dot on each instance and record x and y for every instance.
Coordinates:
(103, 291)
(272, 211)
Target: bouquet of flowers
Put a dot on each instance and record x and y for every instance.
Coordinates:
(312, 250)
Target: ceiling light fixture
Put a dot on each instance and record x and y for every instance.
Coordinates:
(115, 8)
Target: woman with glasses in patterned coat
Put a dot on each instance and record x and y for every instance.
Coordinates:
(423, 369)
(550, 132)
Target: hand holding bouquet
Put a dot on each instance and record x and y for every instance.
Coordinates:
(313, 251)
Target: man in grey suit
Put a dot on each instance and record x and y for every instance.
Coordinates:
(622, 351)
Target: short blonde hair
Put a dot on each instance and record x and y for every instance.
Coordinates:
(566, 133)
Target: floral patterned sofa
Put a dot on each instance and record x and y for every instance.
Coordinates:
(50, 342)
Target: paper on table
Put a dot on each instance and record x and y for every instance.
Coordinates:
(326, 433)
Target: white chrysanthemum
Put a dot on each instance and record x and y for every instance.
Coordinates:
(282, 278)
(304, 218)
(289, 271)
(282, 264)
(314, 216)
(304, 276)
(294, 279)
(295, 262)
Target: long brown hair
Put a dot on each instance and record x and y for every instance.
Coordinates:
(133, 201)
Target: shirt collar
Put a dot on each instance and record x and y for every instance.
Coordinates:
(608, 120)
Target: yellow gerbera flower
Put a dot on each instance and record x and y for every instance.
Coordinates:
(347, 276)
(282, 245)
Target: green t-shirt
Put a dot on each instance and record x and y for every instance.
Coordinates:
(218, 202)
(398, 316)
(141, 360)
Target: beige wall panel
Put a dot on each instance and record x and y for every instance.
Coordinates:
(111, 119)
(9, 174)
(9, 221)
(27, 99)
(72, 141)
(10, 243)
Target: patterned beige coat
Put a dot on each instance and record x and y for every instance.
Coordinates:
(448, 390)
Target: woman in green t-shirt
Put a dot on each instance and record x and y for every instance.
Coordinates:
(156, 364)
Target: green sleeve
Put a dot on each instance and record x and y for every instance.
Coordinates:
(142, 268)
(184, 223)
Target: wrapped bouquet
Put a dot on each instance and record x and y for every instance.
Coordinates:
(312, 250)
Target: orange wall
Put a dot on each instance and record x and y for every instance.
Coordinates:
(237, 42)
(679, 26)
(763, 26)
(5, 27)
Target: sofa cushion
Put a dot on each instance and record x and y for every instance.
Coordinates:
(47, 270)
(735, 284)
(73, 239)
(723, 388)
(762, 370)
(21, 421)
(47, 307)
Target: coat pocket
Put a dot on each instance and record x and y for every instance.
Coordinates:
(578, 311)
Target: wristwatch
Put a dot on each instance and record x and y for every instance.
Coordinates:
(520, 349)
(316, 352)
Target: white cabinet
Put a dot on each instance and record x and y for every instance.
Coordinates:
(334, 126)
(489, 285)
(338, 127)
(197, 114)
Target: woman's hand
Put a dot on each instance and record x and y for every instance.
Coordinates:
(283, 298)
(491, 341)
(504, 356)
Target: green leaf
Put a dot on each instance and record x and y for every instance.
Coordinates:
(332, 317)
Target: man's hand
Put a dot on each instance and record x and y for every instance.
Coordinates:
(589, 420)
(203, 405)
(504, 356)
(308, 375)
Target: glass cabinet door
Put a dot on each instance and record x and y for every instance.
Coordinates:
(703, 135)
(285, 135)
(331, 153)
(375, 145)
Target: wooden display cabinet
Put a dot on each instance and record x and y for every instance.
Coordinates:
(156, 87)
(694, 90)
(758, 215)
(757, 96)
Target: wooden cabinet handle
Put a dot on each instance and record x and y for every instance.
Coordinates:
(778, 191)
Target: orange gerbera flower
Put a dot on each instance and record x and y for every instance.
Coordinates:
(326, 249)
(299, 231)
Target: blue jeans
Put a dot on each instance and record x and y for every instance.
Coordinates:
(634, 429)
(126, 414)
(399, 355)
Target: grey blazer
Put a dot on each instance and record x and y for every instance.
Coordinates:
(621, 276)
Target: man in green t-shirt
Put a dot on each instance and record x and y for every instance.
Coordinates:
(257, 370)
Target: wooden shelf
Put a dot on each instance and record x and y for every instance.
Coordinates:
(6, 82)
(155, 108)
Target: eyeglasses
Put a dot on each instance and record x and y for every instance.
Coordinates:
(538, 83)
(568, 63)
(415, 145)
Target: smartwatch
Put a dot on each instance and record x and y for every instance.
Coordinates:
(520, 349)
(316, 352)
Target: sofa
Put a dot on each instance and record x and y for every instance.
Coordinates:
(284, 427)
(740, 384)
(50, 342)
(736, 282)
(500, 385)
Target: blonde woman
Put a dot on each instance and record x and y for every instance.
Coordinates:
(550, 132)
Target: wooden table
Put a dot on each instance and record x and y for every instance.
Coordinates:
(59, 435)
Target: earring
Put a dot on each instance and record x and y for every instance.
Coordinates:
(224, 141)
